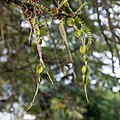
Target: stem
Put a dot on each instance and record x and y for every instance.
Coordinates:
(64, 36)
(36, 92)
(85, 91)
(41, 60)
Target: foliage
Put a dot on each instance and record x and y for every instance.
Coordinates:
(26, 70)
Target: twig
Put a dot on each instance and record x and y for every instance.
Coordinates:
(64, 36)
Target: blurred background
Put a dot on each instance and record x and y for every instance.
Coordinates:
(65, 100)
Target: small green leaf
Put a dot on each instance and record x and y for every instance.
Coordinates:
(62, 3)
(70, 21)
(85, 70)
(80, 8)
(77, 19)
(83, 49)
(78, 33)
(39, 69)
(85, 58)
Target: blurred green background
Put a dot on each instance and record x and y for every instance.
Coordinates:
(65, 100)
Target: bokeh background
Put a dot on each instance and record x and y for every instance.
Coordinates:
(65, 100)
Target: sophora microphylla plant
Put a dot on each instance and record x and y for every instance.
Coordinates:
(36, 10)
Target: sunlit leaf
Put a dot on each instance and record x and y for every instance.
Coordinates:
(62, 3)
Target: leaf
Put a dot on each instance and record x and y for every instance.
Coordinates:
(77, 19)
(85, 70)
(80, 8)
(83, 49)
(62, 3)
(85, 58)
(39, 69)
(78, 33)
(70, 21)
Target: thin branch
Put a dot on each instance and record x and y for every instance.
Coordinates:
(64, 36)
(105, 37)
(55, 48)
(111, 30)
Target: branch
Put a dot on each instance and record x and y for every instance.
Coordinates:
(105, 37)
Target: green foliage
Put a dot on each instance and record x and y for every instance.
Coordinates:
(85, 29)
(62, 3)
(78, 33)
(25, 72)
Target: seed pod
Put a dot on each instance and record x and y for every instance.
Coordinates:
(39, 69)
(70, 21)
(78, 33)
(83, 49)
(85, 58)
(85, 80)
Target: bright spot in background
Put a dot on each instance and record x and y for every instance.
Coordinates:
(107, 69)
(6, 116)
(29, 117)
(116, 88)
(25, 24)
(93, 82)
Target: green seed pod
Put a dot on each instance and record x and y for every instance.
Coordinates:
(78, 33)
(39, 69)
(85, 58)
(85, 70)
(85, 80)
(70, 21)
(83, 49)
